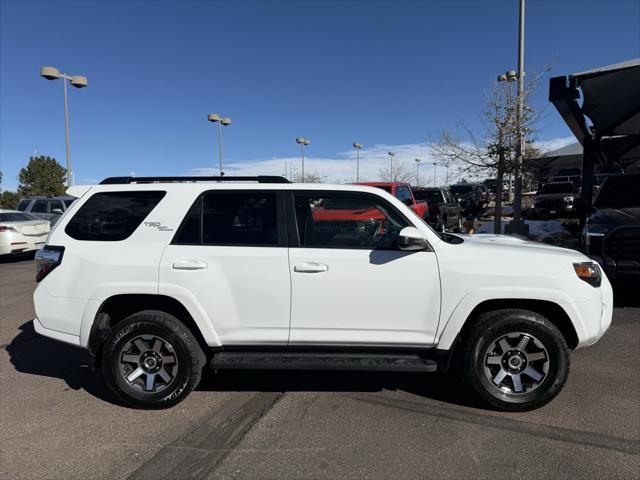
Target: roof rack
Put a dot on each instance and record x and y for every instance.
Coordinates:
(258, 178)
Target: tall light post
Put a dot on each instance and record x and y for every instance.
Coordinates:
(221, 121)
(435, 165)
(517, 225)
(302, 141)
(391, 155)
(357, 146)
(417, 160)
(78, 81)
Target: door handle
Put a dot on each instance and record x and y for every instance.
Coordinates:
(310, 267)
(189, 265)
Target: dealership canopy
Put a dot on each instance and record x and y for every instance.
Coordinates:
(607, 122)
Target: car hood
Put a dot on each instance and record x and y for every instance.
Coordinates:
(615, 216)
(505, 244)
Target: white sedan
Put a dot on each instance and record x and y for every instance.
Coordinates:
(21, 232)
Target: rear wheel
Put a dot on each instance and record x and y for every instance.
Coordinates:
(151, 360)
(514, 360)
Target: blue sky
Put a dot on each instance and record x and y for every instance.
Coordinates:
(386, 74)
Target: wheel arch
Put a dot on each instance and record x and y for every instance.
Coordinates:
(547, 308)
(117, 307)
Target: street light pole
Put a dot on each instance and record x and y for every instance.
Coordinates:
(78, 81)
(517, 225)
(435, 166)
(215, 118)
(302, 141)
(391, 155)
(357, 146)
(417, 160)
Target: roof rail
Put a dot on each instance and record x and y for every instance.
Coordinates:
(258, 178)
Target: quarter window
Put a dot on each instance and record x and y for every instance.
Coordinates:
(336, 220)
(112, 216)
(231, 218)
(22, 206)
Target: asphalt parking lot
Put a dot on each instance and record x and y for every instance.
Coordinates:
(59, 422)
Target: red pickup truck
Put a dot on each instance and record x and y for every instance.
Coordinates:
(402, 191)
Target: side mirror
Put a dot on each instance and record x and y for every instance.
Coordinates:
(411, 239)
(56, 210)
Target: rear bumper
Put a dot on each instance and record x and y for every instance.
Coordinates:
(54, 334)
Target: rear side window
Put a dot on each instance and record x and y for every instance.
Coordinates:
(232, 219)
(40, 206)
(112, 216)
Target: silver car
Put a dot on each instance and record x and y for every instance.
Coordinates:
(21, 232)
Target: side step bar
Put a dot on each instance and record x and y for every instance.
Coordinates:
(321, 361)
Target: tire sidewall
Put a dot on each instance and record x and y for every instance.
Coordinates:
(140, 325)
(555, 378)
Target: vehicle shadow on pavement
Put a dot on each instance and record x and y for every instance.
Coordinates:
(37, 355)
(435, 386)
(625, 294)
(17, 257)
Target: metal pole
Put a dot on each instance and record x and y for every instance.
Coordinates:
(435, 166)
(220, 146)
(391, 168)
(417, 174)
(302, 155)
(520, 149)
(357, 165)
(66, 128)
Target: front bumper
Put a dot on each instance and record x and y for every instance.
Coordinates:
(592, 318)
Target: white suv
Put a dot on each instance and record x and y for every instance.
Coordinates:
(160, 277)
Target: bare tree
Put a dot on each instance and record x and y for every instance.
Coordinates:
(309, 177)
(494, 151)
(402, 172)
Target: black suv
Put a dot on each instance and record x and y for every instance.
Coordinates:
(472, 197)
(612, 232)
(556, 199)
(444, 211)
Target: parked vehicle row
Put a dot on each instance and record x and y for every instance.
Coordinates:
(160, 278)
(445, 212)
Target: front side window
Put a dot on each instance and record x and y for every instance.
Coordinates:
(112, 216)
(240, 218)
(404, 195)
(40, 206)
(345, 220)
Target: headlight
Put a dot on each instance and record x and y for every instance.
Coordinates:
(589, 272)
(567, 199)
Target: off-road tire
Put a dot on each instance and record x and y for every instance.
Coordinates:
(152, 324)
(473, 360)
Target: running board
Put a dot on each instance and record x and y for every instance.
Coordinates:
(321, 361)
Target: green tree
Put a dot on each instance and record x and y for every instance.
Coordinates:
(42, 176)
(9, 200)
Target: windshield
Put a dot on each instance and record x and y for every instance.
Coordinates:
(16, 217)
(619, 192)
(430, 196)
(461, 189)
(565, 187)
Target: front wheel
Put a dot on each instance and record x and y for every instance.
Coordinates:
(151, 360)
(514, 360)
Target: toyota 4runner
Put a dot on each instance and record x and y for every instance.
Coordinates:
(160, 277)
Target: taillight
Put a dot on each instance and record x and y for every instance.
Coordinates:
(6, 228)
(48, 258)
